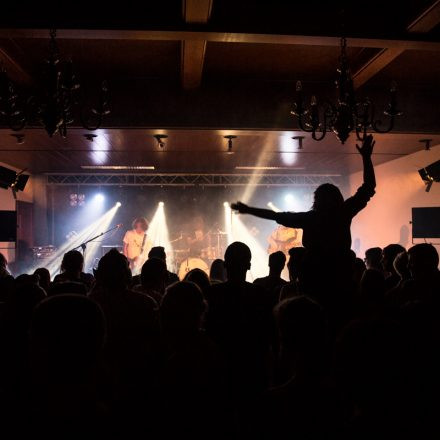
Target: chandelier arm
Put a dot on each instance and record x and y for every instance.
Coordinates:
(302, 126)
(324, 129)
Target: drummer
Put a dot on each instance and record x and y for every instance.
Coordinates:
(198, 239)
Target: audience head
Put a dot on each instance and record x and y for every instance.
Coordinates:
(218, 270)
(373, 258)
(423, 260)
(63, 287)
(113, 271)
(200, 278)
(328, 197)
(389, 253)
(295, 263)
(368, 363)
(43, 277)
(182, 308)
(158, 252)
(372, 290)
(3, 261)
(67, 335)
(358, 270)
(73, 262)
(140, 224)
(21, 304)
(401, 265)
(277, 261)
(154, 274)
(302, 325)
(237, 260)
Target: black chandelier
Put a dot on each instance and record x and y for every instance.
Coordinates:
(54, 105)
(347, 114)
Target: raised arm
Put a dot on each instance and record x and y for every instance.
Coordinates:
(257, 212)
(365, 151)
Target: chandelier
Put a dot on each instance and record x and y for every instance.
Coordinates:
(347, 114)
(56, 104)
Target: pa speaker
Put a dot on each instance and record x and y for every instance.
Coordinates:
(8, 229)
(426, 222)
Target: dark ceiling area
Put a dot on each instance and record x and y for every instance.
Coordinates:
(202, 69)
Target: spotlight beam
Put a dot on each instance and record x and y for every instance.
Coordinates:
(54, 262)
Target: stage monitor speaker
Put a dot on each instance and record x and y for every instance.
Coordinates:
(426, 222)
(21, 182)
(10, 179)
(8, 226)
(7, 177)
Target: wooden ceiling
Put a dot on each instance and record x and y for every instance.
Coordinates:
(200, 69)
(197, 151)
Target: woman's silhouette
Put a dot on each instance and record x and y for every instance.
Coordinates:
(326, 227)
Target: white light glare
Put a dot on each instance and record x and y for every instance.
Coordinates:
(273, 207)
(118, 204)
(289, 198)
(99, 197)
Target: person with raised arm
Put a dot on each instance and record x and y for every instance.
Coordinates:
(326, 227)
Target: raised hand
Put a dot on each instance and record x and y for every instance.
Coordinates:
(240, 207)
(367, 146)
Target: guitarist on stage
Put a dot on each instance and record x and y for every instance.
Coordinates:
(137, 245)
(283, 238)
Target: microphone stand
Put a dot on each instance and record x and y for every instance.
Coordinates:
(83, 246)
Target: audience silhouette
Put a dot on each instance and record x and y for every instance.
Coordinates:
(344, 349)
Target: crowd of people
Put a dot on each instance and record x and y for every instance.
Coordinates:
(218, 357)
(349, 347)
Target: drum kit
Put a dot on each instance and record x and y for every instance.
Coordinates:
(214, 245)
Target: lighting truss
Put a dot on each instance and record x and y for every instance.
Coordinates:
(183, 180)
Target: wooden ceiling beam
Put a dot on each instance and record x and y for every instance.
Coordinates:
(424, 23)
(223, 37)
(193, 51)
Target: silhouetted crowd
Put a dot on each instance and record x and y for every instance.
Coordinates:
(110, 355)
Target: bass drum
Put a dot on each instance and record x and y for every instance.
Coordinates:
(190, 264)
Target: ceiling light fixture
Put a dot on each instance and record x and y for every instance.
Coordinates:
(160, 139)
(230, 137)
(347, 113)
(300, 141)
(427, 143)
(19, 138)
(117, 167)
(90, 136)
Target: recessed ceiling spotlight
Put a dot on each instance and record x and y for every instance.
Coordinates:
(300, 141)
(427, 143)
(90, 136)
(18, 137)
(229, 137)
(160, 139)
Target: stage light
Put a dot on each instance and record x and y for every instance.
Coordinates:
(228, 222)
(158, 232)
(102, 224)
(289, 198)
(118, 204)
(273, 207)
(240, 232)
(99, 197)
(430, 174)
